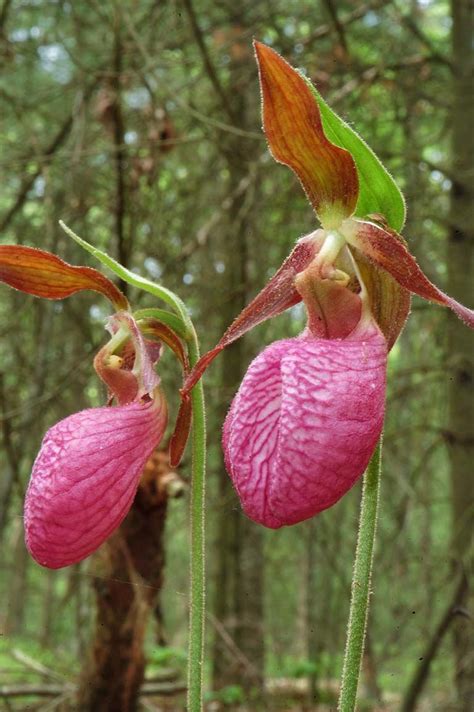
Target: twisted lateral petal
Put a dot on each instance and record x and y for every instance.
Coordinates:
(293, 127)
(85, 478)
(304, 424)
(386, 250)
(278, 295)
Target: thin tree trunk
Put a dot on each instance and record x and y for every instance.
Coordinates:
(313, 634)
(118, 130)
(239, 574)
(461, 342)
(422, 672)
(250, 629)
(369, 666)
(239, 589)
(17, 593)
(48, 610)
(228, 519)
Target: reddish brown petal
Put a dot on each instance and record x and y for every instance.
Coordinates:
(292, 125)
(45, 275)
(181, 430)
(277, 296)
(388, 251)
(164, 333)
(182, 426)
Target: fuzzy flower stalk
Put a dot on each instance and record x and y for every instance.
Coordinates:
(309, 412)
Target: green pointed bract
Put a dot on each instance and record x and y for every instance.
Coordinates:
(378, 192)
(135, 280)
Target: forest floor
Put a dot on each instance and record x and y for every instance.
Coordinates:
(39, 682)
(46, 699)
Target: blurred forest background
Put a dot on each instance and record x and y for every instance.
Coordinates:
(138, 124)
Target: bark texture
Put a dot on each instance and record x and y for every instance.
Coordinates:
(461, 343)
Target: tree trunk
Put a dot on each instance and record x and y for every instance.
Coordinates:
(239, 575)
(250, 629)
(461, 342)
(229, 521)
(48, 610)
(422, 672)
(239, 589)
(369, 667)
(129, 568)
(313, 634)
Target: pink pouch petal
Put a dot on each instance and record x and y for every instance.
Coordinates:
(304, 424)
(85, 478)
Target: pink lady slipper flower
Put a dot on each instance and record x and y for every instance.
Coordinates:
(87, 472)
(310, 410)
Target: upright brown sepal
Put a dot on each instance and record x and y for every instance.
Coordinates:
(293, 127)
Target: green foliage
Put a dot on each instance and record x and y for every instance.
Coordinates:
(157, 290)
(13, 658)
(228, 696)
(302, 668)
(167, 657)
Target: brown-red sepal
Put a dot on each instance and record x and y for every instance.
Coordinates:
(293, 127)
(43, 274)
(387, 250)
(276, 297)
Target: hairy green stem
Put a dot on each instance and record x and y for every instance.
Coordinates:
(197, 524)
(361, 583)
